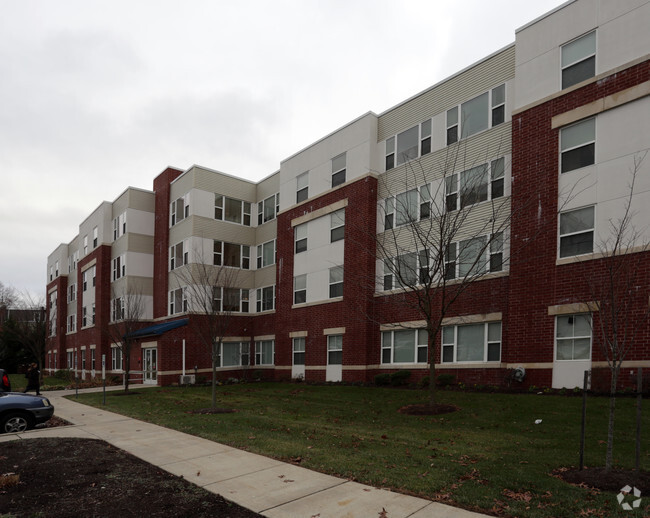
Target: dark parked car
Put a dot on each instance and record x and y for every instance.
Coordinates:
(20, 412)
(5, 384)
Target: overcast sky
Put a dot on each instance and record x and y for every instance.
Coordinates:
(96, 96)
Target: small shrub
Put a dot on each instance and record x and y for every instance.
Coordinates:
(445, 380)
(64, 374)
(400, 378)
(381, 380)
(424, 382)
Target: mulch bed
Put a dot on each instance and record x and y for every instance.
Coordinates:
(613, 481)
(68, 478)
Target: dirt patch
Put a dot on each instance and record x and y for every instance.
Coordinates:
(613, 481)
(68, 478)
(426, 409)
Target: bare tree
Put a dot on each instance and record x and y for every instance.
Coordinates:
(29, 326)
(127, 312)
(7, 298)
(618, 305)
(442, 230)
(211, 296)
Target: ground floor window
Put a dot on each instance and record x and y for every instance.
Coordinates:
(472, 343)
(404, 346)
(299, 351)
(573, 337)
(335, 350)
(233, 354)
(70, 358)
(116, 359)
(92, 359)
(264, 352)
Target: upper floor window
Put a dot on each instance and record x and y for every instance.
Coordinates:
(232, 210)
(117, 309)
(336, 282)
(95, 237)
(472, 343)
(177, 301)
(84, 280)
(337, 225)
(231, 254)
(480, 113)
(407, 207)
(577, 232)
(474, 256)
(579, 60)
(178, 255)
(179, 209)
(409, 144)
(72, 323)
(268, 209)
(475, 185)
(299, 289)
(338, 169)
(266, 254)
(72, 291)
(302, 187)
(234, 300)
(578, 145)
(119, 226)
(85, 245)
(265, 299)
(119, 267)
(301, 237)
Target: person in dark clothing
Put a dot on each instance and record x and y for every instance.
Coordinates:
(33, 379)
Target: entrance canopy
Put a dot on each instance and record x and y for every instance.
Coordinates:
(158, 329)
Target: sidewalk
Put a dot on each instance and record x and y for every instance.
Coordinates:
(267, 486)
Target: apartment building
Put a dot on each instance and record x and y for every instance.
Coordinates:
(527, 157)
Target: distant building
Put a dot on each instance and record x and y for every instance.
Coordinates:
(564, 109)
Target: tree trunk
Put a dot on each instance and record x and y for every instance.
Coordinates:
(127, 370)
(610, 426)
(214, 375)
(432, 367)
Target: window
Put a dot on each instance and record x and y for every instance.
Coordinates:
(299, 351)
(472, 343)
(94, 273)
(233, 354)
(389, 213)
(408, 145)
(56, 273)
(72, 323)
(92, 359)
(266, 254)
(301, 237)
(302, 187)
(83, 359)
(579, 60)
(264, 354)
(404, 346)
(471, 257)
(232, 210)
(268, 209)
(407, 207)
(496, 253)
(84, 316)
(119, 226)
(84, 280)
(85, 245)
(179, 209)
(337, 225)
(231, 254)
(92, 315)
(475, 185)
(338, 169)
(299, 289)
(116, 359)
(178, 255)
(577, 232)
(232, 300)
(407, 270)
(336, 282)
(70, 355)
(474, 256)
(119, 267)
(335, 350)
(265, 299)
(117, 309)
(573, 337)
(72, 293)
(95, 237)
(480, 113)
(578, 145)
(177, 301)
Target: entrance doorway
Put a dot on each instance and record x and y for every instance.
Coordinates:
(150, 365)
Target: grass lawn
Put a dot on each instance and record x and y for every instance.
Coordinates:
(490, 455)
(19, 382)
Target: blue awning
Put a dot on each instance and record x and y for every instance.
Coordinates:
(158, 329)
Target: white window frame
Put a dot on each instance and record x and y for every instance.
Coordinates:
(119, 267)
(302, 187)
(334, 347)
(300, 238)
(298, 347)
(72, 323)
(260, 301)
(586, 231)
(262, 353)
(339, 163)
(300, 289)
(116, 359)
(407, 207)
(72, 293)
(573, 337)
(569, 148)
(336, 282)
(172, 301)
(337, 225)
(418, 138)
(242, 354)
(580, 60)
(220, 202)
(117, 309)
(273, 202)
(449, 342)
(179, 209)
(179, 255)
(419, 346)
(95, 237)
(262, 260)
(455, 126)
(457, 198)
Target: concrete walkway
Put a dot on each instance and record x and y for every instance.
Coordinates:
(267, 486)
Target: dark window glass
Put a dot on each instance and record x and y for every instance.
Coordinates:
(579, 157)
(579, 72)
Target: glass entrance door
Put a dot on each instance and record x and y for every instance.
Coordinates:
(150, 364)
